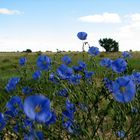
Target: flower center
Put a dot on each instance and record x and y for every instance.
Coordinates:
(122, 89)
(44, 63)
(37, 108)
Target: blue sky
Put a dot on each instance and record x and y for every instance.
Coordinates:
(52, 24)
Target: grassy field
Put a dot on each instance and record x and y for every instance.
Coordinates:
(9, 61)
(9, 67)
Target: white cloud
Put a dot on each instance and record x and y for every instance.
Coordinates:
(128, 34)
(6, 11)
(134, 17)
(103, 18)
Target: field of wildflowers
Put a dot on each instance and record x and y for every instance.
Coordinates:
(85, 101)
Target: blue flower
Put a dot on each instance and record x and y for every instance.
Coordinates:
(39, 135)
(82, 65)
(9, 114)
(36, 75)
(27, 123)
(106, 62)
(69, 125)
(121, 134)
(52, 119)
(43, 62)
(76, 68)
(108, 84)
(66, 60)
(15, 104)
(70, 107)
(126, 54)
(22, 61)
(12, 84)
(37, 107)
(134, 110)
(27, 90)
(93, 51)
(75, 79)
(88, 74)
(119, 65)
(62, 92)
(82, 35)
(136, 77)
(64, 72)
(16, 128)
(2, 122)
(53, 78)
(68, 115)
(124, 89)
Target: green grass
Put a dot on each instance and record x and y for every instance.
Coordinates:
(9, 61)
(9, 67)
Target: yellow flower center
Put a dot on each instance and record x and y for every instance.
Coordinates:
(122, 89)
(37, 108)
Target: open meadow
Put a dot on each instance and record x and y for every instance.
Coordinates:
(82, 107)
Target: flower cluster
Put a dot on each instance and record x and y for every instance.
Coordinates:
(70, 100)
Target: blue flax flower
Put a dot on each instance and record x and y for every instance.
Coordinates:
(126, 54)
(108, 84)
(27, 90)
(134, 110)
(11, 85)
(64, 72)
(2, 122)
(8, 115)
(69, 112)
(75, 79)
(36, 75)
(53, 78)
(81, 66)
(121, 134)
(70, 107)
(82, 35)
(69, 126)
(106, 62)
(119, 65)
(68, 117)
(88, 74)
(66, 60)
(43, 62)
(76, 68)
(37, 107)
(62, 92)
(136, 77)
(124, 89)
(22, 61)
(93, 51)
(52, 119)
(27, 123)
(15, 104)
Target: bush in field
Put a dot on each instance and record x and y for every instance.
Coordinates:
(65, 101)
(109, 44)
(28, 51)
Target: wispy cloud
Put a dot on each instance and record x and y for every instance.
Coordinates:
(134, 17)
(101, 18)
(6, 11)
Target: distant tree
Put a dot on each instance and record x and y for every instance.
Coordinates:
(109, 44)
(39, 53)
(28, 50)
